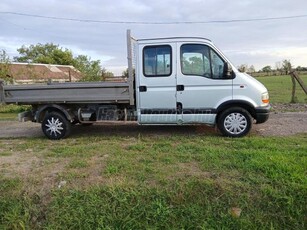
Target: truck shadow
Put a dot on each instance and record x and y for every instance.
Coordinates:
(133, 129)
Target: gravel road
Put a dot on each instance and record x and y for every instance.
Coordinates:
(279, 124)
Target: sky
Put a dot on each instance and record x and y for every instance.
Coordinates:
(257, 43)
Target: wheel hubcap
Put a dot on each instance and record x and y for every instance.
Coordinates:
(235, 123)
(54, 126)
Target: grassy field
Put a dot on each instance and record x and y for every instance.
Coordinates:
(153, 182)
(146, 181)
(280, 88)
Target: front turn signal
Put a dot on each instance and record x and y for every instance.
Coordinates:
(265, 98)
(265, 101)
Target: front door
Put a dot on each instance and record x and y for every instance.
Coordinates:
(201, 83)
(156, 88)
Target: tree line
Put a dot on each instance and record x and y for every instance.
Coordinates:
(50, 53)
(281, 68)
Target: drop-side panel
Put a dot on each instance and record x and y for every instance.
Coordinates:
(100, 92)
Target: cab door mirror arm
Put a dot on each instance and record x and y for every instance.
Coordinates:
(228, 71)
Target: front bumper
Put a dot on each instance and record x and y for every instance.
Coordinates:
(262, 114)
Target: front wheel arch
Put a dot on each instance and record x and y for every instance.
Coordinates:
(237, 103)
(234, 122)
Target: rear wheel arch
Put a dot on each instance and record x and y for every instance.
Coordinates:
(43, 111)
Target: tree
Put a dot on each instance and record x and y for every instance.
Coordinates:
(125, 73)
(50, 53)
(4, 67)
(251, 69)
(106, 74)
(243, 68)
(91, 70)
(300, 68)
(267, 69)
(286, 66)
(278, 65)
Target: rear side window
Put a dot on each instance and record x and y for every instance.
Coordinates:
(157, 61)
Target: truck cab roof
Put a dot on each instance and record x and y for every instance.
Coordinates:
(174, 39)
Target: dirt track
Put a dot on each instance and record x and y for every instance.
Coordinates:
(279, 124)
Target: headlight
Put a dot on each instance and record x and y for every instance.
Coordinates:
(265, 98)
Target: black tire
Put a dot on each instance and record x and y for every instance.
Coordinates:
(55, 126)
(235, 122)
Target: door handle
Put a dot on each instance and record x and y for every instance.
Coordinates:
(143, 88)
(180, 87)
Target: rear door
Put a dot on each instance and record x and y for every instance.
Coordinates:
(156, 86)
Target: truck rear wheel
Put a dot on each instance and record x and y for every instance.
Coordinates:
(235, 122)
(55, 126)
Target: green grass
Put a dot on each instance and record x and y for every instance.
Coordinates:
(78, 163)
(155, 182)
(8, 116)
(10, 112)
(280, 88)
(12, 108)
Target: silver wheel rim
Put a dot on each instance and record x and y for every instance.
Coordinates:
(54, 126)
(235, 123)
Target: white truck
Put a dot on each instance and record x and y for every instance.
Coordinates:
(177, 81)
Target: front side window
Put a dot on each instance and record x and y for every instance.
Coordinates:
(217, 65)
(195, 60)
(202, 61)
(157, 61)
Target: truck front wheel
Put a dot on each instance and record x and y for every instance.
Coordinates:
(235, 122)
(55, 126)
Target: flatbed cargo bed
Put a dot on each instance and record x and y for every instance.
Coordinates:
(68, 93)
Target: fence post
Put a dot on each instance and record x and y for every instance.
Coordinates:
(293, 98)
(295, 76)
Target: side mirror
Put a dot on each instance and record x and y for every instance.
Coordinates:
(228, 72)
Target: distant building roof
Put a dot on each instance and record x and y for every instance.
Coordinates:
(43, 72)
